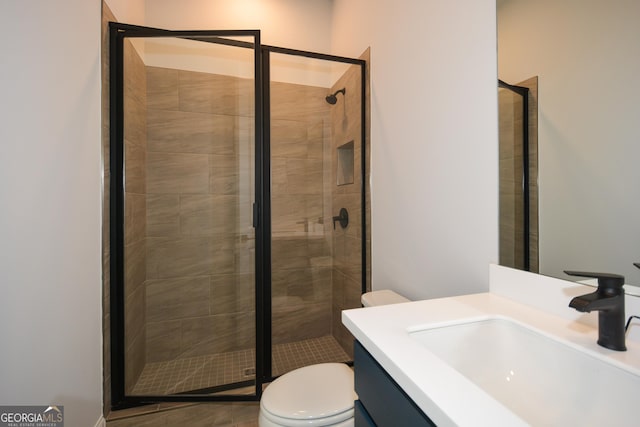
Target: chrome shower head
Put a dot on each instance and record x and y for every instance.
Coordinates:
(332, 99)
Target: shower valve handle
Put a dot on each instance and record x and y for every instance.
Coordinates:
(343, 218)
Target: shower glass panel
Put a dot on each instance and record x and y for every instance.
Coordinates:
(316, 268)
(230, 162)
(189, 280)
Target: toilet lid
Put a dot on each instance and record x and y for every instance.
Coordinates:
(316, 391)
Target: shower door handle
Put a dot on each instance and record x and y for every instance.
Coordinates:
(256, 212)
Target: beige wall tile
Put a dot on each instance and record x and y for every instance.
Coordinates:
(352, 292)
(315, 147)
(186, 132)
(228, 173)
(297, 212)
(311, 284)
(134, 96)
(300, 321)
(219, 333)
(208, 215)
(135, 217)
(135, 168)
(289, 254)
(163, 340)
(197, 256)
(244, 252)
(134, 361)
(342, 335)
(232, 293)
(135, 335)
(278, 176)
(298, 102)
(173, 299)
(213, 93)
(289, 139)
(134, 266)
(135, 119)
(163, 215)
(134, 318)
(170, 173)
(304, 176)
(134, 72)
(162, 88)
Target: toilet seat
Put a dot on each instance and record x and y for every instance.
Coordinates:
(340, 420)
(316, 395)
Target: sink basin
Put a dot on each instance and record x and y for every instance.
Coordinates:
(543, 380)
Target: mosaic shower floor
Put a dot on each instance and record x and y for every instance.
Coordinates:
(195, 373)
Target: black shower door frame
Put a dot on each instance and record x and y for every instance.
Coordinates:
(266, 202)
(118, 32)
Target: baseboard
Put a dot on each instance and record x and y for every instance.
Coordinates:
(101, 422)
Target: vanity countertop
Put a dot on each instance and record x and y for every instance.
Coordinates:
(446, 396)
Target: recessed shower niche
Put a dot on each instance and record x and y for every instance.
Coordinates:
(217, 282)
(345, 164)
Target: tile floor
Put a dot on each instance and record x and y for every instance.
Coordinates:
(201, 372)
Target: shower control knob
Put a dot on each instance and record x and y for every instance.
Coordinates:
(343, 218)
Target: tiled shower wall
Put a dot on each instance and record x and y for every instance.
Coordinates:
(135, 147)
(301, 232)
(347, 242)
(204, 307)
(200, 244)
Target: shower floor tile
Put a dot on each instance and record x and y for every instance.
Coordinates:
(194, 373)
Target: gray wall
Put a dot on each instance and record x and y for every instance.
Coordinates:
(50, 187)
(434, 145)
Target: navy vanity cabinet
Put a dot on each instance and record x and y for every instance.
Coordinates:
(382, 402)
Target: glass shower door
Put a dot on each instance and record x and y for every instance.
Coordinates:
(315, 135)
(226, 265)
(184, 181)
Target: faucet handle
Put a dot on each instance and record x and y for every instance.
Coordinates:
(637, 264)
(605, 280)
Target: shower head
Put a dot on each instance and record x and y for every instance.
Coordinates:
(332, 99)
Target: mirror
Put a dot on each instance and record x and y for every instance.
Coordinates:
(587, 58)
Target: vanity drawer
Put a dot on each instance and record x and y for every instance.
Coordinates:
(382, 399)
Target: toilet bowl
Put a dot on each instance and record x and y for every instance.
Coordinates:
(316, 395)
(319, 395)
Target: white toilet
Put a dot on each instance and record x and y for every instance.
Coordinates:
(318, 395)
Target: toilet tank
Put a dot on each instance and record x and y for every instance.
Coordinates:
(382, 297)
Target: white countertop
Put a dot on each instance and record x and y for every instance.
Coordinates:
(447, 397)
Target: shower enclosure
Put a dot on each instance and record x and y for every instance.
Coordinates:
(518, 147)
(229, 162)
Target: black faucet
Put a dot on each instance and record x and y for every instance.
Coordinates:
(608, 301)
